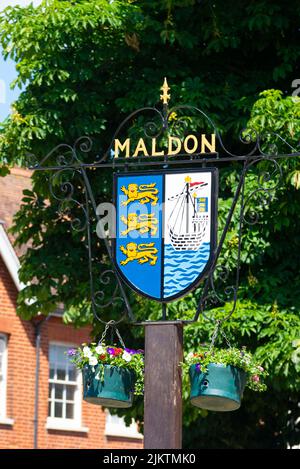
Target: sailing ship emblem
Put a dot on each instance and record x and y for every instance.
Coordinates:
(188, 223)
(165, 230)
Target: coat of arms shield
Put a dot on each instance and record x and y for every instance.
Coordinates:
(166, 226)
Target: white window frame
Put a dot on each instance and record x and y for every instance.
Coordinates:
(61, 423)
(116, 427)
(3, 382)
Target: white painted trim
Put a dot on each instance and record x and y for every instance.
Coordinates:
(57, 314)
(64, 344)
(69, 424)
(64, 425)
(6, 421)
(3, 383)
(118, 428)
(10, 258)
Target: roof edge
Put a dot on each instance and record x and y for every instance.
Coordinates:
(10, 258)
(23, 172)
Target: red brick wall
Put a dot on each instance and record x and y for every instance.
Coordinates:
(21, 382)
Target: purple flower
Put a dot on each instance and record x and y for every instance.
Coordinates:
(198, 367)
(71, 352)
(111, 351)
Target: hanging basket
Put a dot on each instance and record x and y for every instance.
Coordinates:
(220, 388)
(111, 388)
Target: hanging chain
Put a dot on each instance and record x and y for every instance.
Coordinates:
(215, 334)
(119, 337)
(226, 338)
(108, 325)
(111, 324)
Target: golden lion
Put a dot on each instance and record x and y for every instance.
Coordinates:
(143, 223)
(143, 192)
(142, 253)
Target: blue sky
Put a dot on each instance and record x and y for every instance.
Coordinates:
(7, 68)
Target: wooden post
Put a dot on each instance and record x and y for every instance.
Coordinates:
(163, 385)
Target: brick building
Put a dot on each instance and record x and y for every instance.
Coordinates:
(41, 402)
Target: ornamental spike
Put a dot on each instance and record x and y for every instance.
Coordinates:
(165, 97)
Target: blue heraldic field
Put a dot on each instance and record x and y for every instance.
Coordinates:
(164, 240)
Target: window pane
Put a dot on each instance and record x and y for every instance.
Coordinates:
(70, 393)
(72, 374)
(52, 354)
(63, 396)
(70, 411)
(61, 374)
(51, 374)
(50, 389)
(58, 409)
(2, 344)
(59, 391)
(61, 357)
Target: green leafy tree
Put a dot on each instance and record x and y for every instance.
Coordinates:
(85, 65)
(266, 319)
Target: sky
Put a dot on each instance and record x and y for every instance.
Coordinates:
(7, 68)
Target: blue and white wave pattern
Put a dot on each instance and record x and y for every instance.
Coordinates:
(183, 267)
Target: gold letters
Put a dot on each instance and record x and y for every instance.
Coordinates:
(191, 144)
(177, 149)
(154, 152)
(205, 143)
(122, 146)
(185, 144)
(141, 147)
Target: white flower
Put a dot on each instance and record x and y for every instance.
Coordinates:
(87, 353)
(100, 350)
(190, 355)
(93, 361)
(126, 356)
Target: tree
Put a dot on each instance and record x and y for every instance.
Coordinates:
(266, 319)
(85, 66)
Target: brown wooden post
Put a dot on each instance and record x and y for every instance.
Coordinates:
(163, 385)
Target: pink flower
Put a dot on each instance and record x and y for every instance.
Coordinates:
(255, 378)
(261, 368)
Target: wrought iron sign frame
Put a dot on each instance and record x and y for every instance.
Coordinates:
(68, 159)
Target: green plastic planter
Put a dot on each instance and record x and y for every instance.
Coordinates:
(114, 390)
(220, 388)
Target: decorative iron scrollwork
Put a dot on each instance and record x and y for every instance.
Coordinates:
(268, 180)
(69, 164)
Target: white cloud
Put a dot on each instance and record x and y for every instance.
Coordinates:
(2, 92)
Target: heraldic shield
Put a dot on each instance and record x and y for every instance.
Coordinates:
(166, 226)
